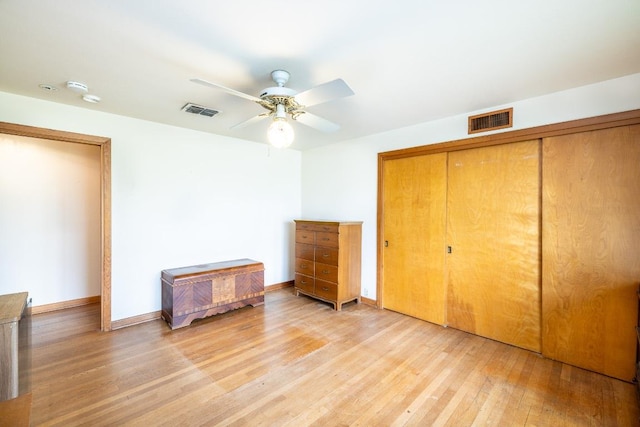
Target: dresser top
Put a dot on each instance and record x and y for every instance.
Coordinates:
(203, 268)
(321, 221)
(12, 306)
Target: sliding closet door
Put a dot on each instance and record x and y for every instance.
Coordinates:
(493, 229)
(591, 249)
(414, 228)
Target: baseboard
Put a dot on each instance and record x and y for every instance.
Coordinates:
(370, 302)
(290, 283)
(142, 318)
(45, 308)
(277, 286)
(135, 320)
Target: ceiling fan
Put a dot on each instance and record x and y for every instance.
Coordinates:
(283, 102)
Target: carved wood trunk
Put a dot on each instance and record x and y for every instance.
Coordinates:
(199, 291)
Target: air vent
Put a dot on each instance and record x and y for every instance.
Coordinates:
(491, 121)
(199, 110)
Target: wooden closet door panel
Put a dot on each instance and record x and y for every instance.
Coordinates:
(493, 228)
(414, 227)
(591, 249)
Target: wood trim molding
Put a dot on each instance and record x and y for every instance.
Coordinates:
(136, 320)
(46, 308)
(105, 308)
(563, 128)
(277, 286)
(56, 135)
(369, 301)
(105, 196)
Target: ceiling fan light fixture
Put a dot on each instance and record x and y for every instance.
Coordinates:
(284, 103)
(280, 133)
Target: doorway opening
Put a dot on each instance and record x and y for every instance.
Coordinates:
(105, 200)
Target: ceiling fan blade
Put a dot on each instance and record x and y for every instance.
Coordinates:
(317, 122)
(226, 89)
(250, 121)
(325, 92)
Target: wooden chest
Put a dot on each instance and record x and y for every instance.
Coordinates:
(199, 291)
(328, 258)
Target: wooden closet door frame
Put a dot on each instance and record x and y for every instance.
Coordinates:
(564, 128)
(105, 199)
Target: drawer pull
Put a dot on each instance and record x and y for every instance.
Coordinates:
(324, 288)
(304, 282)
(325, 255)
(325, 271)
(303, 265)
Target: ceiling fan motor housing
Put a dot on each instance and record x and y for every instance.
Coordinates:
(281, 77)
(277, 92)
(280, 95)
(274, 96)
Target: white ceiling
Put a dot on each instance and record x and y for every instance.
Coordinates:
(408, 61)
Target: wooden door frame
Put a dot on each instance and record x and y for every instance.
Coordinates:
(564, 128)
(105, 199)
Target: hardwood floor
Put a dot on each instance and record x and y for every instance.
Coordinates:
(296, 362)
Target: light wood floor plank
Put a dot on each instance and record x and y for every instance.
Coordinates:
(297, 362)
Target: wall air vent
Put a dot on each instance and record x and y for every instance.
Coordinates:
(199, 110)
(491, 121)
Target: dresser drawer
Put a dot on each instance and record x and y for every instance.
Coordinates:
(327, 228)
(325, 255)
(305, 237)
(305, 283)
(305, 251)
(327, 239)
(304, 266)
(326, 290)
(326, 272)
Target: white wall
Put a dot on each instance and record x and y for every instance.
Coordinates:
(49, 219)
(349, 192)
(183, 197)
(180, 198)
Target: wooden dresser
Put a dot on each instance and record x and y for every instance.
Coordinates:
(195, 292)
(328, 259)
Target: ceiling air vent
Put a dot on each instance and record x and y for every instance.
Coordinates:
(199, 110)
(491, 121)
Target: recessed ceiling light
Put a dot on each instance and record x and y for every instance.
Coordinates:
(77, 87)
(94, 99)
(47, 87)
